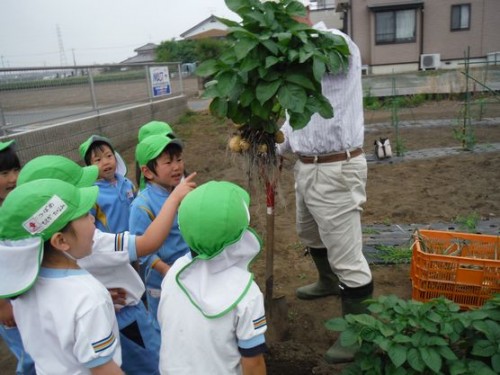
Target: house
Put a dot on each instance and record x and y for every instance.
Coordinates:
(210, 27)
(144, 54)
(408, 35)
(324, 11)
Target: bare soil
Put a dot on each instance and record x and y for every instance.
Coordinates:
(420, 191)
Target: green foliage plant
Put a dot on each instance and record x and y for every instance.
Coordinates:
(371, 102)
(469, 222)
(412, 337)
(390, 254)
(274, 63)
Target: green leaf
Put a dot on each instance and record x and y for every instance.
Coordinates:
(322, 106)
(383, 343)
(479, 368)
(249, 64)
(319, 69)
(447, 353)
(484, 348)
(227, 22)
(431, 358)
(292, 97)
(218, 107)
(270, 61)
(247, 96)
(458, 368)
(243, 47)
(226, 82)
(207, 68)
(397, 354)
(271, 46)
(259, 110)
(299, 120)
(284, 37)
(415, 360)
(349, 337)
(495, 362)
(402, 339)
(300, 80)
(337, 324)
(266, 90)
(296, 9)
(436, 341)
(236, 5)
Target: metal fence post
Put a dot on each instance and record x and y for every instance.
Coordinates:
(2, 122)
(92, 91)
(148, 83)
(181, 84)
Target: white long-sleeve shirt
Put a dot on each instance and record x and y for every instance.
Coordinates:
(345, 131)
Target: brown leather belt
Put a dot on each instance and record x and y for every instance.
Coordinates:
(341, 156)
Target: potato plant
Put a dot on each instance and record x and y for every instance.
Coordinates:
(411, 337)
(274, 64)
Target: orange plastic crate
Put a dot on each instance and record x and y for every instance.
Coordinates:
(462, 267)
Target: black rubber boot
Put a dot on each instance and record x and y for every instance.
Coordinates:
(352, 303)
(328, 282)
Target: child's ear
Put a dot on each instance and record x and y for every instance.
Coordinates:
(146, 172)
(58, 242)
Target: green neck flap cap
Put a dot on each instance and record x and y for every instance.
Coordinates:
(155, 128)
(43, 207)
(5, 145)
(59, 168)
(151, 147)
(213, 216)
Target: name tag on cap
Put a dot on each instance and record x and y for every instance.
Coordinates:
(46, 215)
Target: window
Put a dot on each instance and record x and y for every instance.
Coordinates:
(460, 17)
(396, 26)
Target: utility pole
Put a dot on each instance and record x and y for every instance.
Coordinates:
(62, 53)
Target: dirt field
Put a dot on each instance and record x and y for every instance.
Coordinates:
(420, 191)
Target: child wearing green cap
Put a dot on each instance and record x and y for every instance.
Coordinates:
(211, 308)
(161, 162)
(151, 128)
(110, 262)
(65, 316)
(116, 191)
(9, 170)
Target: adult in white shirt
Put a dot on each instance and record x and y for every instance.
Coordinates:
(330, 179)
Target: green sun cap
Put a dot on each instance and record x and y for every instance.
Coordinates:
(43, 207)
(213, 216)
(84, 147)
(121, 166)
(155, 128)
(151, 147)
(59, 168)
(5, 145)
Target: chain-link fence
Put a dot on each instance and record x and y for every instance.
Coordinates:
(44, 96)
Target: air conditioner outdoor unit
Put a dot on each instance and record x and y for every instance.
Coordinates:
(430, 61)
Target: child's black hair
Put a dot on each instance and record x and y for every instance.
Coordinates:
(9, 160)
(172, 150)
(97, 145)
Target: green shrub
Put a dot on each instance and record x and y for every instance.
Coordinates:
(411, 337)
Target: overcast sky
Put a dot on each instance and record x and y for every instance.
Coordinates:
(93, 31)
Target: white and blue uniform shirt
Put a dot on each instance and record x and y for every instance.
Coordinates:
(112, 208)
(67, 323)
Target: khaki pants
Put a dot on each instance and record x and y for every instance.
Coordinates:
(329, 199)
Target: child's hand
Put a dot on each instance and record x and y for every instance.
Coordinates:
(184, 187)
(118, 295)
(6, 314)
